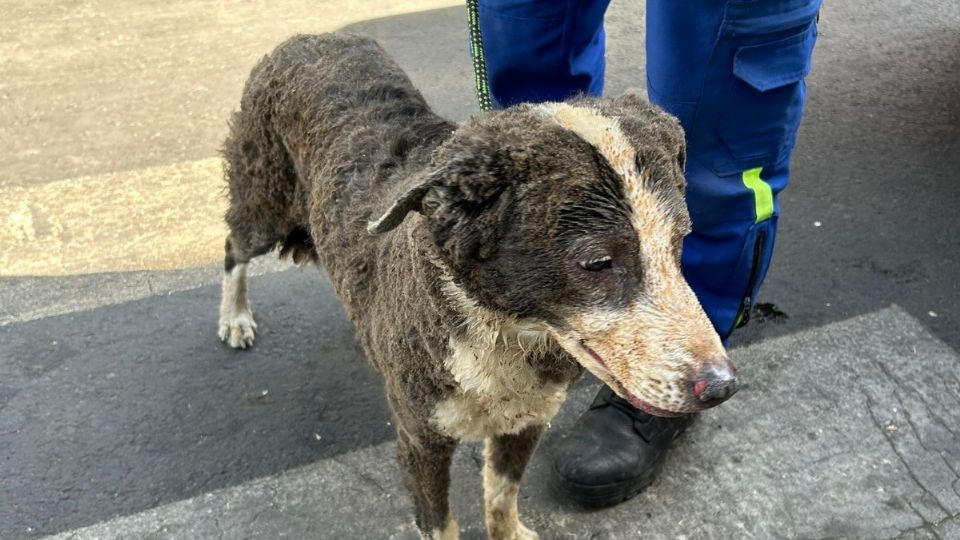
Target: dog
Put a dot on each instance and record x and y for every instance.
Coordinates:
(485, 266)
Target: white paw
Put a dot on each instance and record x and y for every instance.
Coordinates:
(239, 330)
(523, 533)
(516, 532)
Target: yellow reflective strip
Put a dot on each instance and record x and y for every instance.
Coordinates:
(762, 194)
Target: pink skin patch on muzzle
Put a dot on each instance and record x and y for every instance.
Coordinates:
(699, 387)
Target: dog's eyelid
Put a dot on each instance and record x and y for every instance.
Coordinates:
(597, 264)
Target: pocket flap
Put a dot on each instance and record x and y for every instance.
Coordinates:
(772, 65)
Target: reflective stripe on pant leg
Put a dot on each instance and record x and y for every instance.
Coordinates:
(543, 50)
(762, 193)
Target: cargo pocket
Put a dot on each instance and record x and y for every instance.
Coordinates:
(766, 98)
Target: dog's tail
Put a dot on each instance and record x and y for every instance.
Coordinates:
(299, 247)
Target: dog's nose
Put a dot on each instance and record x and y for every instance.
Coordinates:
(715, 383)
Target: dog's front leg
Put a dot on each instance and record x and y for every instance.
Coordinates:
(506, 457)
(425, 466)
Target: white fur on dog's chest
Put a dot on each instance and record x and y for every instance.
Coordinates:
(499, 392)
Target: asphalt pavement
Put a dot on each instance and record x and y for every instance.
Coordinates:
(119, 407)
(847, 446)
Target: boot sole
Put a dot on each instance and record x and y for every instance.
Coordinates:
(605, 495)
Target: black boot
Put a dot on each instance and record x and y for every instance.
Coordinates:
(613, 451)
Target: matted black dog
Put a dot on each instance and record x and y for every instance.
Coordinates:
(543, 239)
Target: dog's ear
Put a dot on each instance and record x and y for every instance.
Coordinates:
(410, 201)
(464, 200)
(468, 212)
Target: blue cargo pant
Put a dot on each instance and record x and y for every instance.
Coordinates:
(732, 71)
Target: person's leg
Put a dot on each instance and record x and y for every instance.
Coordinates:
(542, 50)
(732, 71)
(739, 94)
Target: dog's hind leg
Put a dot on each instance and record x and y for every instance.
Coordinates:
(425, 466)
(505, 458)
(262, 180)
(237, 326)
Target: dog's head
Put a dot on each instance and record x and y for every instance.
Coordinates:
(572, 214)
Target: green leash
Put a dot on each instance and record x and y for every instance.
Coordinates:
(479, 62)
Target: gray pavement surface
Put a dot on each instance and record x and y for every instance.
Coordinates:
(861, 442)
(30, 298)
(120, 408)
(115, 396)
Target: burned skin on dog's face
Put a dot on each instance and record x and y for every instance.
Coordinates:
(573, 215)
(637, 325)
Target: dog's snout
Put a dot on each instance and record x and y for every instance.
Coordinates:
(715, 383)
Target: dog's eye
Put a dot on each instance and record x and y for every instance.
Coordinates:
(597, 265)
